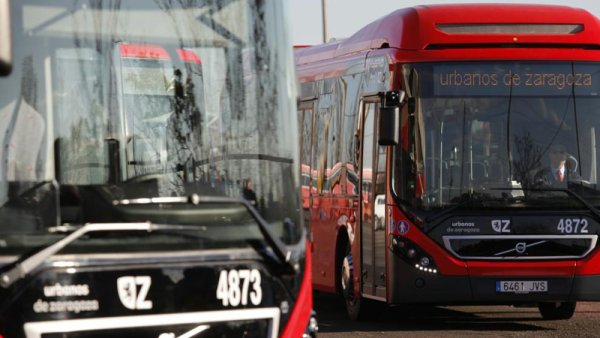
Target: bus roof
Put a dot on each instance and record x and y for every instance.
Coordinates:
(434, 27)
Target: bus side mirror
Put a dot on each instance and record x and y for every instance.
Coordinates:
(5, 39)
(389, 119)
(389, 126)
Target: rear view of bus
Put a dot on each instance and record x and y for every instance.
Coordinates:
(148, 171)
(478, 125)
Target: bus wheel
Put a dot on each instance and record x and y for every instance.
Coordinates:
(355, 304)
(557, 310)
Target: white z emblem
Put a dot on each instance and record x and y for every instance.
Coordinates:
(130, 297)
(501, 225)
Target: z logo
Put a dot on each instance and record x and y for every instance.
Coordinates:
(501, 225)
(132, 297)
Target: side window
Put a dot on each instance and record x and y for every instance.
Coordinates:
(305, 117)
(334, 164)
(322, 124)
(306, 143)
(350, 123)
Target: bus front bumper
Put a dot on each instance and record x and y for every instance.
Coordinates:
(410, 285)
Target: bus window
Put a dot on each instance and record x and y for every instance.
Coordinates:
(146, 77)
(80, 116)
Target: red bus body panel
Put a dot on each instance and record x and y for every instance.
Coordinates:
(301, 313)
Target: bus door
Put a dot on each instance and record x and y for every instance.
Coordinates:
(308, 186)
(372, 206)
(144, 73)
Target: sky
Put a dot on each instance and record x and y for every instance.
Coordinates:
(345, 17)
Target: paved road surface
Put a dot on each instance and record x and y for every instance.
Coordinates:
(455, 321)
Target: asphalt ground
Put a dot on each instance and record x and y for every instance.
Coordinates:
(454, 321)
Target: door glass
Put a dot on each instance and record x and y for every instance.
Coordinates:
(366, 196)
(379, 209)
(373, 203)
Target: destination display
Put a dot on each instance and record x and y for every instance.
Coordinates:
(518, 79)
(142, 77)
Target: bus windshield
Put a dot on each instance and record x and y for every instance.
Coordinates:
(500, 134)
(117, 101)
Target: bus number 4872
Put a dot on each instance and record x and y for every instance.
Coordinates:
(572, 226)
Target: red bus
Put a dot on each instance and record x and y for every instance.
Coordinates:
(131, 131)
(476, 126)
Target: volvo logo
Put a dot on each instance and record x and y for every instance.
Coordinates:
(521, 247)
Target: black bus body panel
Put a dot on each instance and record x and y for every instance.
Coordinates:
(146, 300)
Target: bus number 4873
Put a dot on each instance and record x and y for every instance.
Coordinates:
(236, 286)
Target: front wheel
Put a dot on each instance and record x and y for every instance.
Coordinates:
(357, 307)
(557, 310)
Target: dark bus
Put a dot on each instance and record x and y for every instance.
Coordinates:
(149, 171)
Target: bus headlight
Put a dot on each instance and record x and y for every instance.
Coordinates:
(414, 255)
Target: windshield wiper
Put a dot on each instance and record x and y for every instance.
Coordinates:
(283, 254)
(22, 268)
(578, 197)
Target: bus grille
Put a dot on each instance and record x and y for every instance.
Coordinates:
(252, 322)
(520, 247)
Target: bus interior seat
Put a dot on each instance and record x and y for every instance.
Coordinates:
(480, 172)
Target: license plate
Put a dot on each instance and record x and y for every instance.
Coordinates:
(522, 286)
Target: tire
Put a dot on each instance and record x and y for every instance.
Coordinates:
(557, 310)
(357, 308)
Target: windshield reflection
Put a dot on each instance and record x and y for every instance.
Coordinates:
(120, 100)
